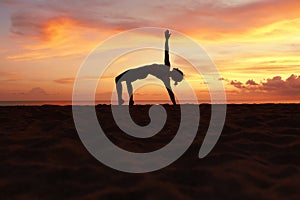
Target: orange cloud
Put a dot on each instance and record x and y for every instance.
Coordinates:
(65, 80)
(60, 37)
(215, 21)
(56, 30)
(62, 26)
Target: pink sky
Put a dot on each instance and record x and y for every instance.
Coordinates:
(254, 44)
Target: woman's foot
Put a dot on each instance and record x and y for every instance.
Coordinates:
(121, 101)
(131, 102)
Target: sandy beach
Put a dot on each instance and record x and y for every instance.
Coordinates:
(256, 157)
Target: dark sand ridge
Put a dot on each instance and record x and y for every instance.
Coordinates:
(257, 156)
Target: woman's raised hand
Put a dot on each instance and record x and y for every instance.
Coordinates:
(167, 34)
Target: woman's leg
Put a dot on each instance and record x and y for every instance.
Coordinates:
(130, 93)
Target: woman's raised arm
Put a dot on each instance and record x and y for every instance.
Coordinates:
(167, 59)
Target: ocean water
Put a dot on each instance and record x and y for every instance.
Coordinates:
(63, 103)
(137, 102)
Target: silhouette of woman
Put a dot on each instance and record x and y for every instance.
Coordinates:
(160, 71)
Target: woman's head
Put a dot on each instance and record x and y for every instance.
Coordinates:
(177, 75)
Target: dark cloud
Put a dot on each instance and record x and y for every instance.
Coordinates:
(294, 81)
(25, 23)
(237, 84)
(223, 79)
(251, 82)
(37, 91)
(275, 85)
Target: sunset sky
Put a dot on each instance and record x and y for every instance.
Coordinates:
(255, 44)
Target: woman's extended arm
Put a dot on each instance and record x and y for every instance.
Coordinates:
(167, 36)
(169, 89)
(172, 97)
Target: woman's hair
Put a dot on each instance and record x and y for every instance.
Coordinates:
(177, 75)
